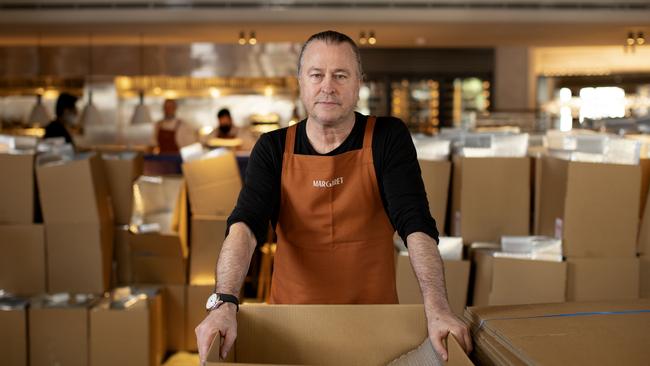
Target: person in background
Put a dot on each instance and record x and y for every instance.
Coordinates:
(66, 117)
(171, 132)
(225, 129)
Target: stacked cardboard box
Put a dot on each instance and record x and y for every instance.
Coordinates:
(159, 244)
(562, 334)
(78, 222)
(213, 185)
(593, 208)
(122, 169)
(511, 281)
(490, 198)
(13, 331)
(456, 281)
(127, 328)
(337, 335)
(643, 244)
(22, 241)
(436, 175)
(58, 330)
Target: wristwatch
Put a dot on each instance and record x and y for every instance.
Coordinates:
(216, 299)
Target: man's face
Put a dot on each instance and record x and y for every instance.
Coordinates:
(329, 82)
(169, 108)
(225, 121)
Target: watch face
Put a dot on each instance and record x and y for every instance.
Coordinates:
(212, 301)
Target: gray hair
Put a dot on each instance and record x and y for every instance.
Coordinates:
(332, 37)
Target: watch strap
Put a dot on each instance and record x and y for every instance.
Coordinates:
(229, 298)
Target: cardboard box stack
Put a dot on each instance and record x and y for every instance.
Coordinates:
(490, 187)
(58, 329)
(525, 270)
(22, 239)
(158, 241)
(13, 331)
(562, 334)
(456, 276)
(213, 185)
(433, 156)
(589, 197)
(78, 222)
(127, 328)
(122, 169)
(339, 335)
(159, 249)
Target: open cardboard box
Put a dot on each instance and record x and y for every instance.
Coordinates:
(592, 207)
(213, 184)
(510, 281)
(490, 198)
(328, 335)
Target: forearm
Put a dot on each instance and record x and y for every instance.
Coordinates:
(235, 258)
(429, 270)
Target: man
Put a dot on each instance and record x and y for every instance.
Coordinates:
(172, 133)
(66, 117)
(335, 186)
(225, 129)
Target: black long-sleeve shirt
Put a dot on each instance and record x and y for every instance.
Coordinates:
(396, 167)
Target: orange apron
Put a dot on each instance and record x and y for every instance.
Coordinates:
(167, 140)
(335, 241)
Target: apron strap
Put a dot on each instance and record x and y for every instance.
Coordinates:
(370, 127)
(290, 140)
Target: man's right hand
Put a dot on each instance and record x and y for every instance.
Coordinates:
(221, 322)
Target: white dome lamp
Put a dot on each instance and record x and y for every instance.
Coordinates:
(90, 115)
(141, 113)
(38, 116)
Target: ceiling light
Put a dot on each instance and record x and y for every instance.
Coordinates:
(371, 39)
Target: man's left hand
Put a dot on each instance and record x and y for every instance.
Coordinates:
(443, 323)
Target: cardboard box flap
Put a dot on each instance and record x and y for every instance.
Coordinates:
(121, 171)
(74, 191)
(326, 334)
(17, 203)
(213, 184)
(617, 190)
(156, 245)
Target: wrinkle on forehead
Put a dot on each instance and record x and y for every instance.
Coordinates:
(329, 48)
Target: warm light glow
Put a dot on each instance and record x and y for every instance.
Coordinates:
(215, 92)
(157, 90)
(51, 94)
(206, 130)
(565, 95)
(268, 91)
(602, 102)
